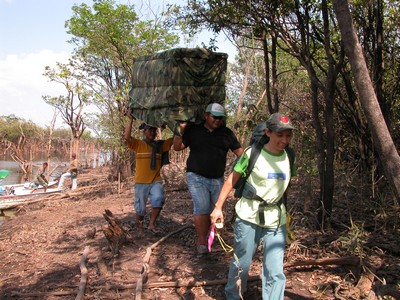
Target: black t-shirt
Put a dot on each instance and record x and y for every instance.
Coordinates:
(208, 150)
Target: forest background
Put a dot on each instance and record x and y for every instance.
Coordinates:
(333, 67)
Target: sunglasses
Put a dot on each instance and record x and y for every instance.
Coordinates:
(216, 117)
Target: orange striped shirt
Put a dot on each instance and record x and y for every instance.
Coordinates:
(143, 158)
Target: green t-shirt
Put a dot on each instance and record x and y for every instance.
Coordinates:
(270, 177)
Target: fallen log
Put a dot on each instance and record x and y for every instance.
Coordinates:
(174, 284)
(347, 260)
(42, 294)
(140, 285)
(145, 268)
(38, 198)
(84, 274)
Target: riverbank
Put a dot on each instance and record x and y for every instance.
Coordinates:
(48, 246)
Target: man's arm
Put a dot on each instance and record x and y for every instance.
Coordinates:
(217, 213)
(178, 132)
(128, 129)
(238, 152)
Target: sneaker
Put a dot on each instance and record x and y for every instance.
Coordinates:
(202, 249)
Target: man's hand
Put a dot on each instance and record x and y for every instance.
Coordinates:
(128, 128)
(128, 112)
(179, 128)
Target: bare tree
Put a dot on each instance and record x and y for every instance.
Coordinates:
(70, 106)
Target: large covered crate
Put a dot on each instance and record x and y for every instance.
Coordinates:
(177, 84)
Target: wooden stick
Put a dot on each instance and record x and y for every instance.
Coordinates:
(347, 260)
(175, 284)
(84, 274)
(119, 183)
(43, 294)
(145, 268)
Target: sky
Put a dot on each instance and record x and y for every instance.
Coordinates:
(32, 36)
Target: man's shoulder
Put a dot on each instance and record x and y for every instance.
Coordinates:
(168, 141)
(194, 127)
(135, 141)
(225, 129)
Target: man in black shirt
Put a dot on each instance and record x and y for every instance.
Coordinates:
(209, 143)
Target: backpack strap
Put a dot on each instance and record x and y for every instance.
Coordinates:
(255, 153)
(291, 156)
(256, 148)
(250, 193)
(264, 204)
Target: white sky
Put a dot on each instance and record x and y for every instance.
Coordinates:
(32, 36)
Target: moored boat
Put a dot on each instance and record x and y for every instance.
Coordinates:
(16, 193)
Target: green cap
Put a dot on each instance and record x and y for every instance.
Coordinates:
(279, 122)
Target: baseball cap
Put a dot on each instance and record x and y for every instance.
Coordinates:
(216, 109)
(279, 122)
(145, 126)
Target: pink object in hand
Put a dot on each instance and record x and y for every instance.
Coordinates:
(211, 238)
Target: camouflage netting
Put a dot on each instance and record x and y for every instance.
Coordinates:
(177, 85)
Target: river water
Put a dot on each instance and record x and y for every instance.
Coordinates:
(16, 176)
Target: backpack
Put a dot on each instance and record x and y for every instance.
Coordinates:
(243, 188)
(258, 134)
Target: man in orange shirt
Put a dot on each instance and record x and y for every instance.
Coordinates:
(148, 182)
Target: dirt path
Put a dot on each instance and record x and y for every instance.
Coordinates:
(41, 249)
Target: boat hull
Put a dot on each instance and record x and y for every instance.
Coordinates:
(17, 193)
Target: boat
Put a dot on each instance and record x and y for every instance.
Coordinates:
(13, 194)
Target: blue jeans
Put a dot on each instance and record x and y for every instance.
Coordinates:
(154, 191)
(204, 191)
(247, 237)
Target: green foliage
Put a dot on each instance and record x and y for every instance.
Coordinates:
(385, 210)
(108, 37)
(115, 34)
(13, 128)
(354, 240)
(61, 134)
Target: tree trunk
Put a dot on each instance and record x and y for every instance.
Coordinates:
(75, 146)
(274, 77)
(381, 137)
(329, 96)
(249, 64)
(267, 75)
(378, 66)
(320, 146)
